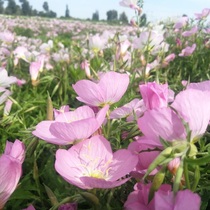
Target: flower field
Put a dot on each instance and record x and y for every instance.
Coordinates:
(99, 116)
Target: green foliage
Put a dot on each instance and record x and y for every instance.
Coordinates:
(27, 32)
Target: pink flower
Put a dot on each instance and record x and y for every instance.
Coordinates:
(72, 126)
(68, 206)
(143, 148)
(11, 169)
(204, 14)
(155, 95)
(7, 37)
(4, 94)
(5, 80)
(130, 3)
(135, 106)
(181, 22)
(196, 114)
(34, 70)
(168, 59)
(63, 109)
(110, 88)
(164, 199)
(151, 40)
(167, 124)
(190, 32)
(20, 82)
(97, 43)
(187, 51)
(92, 164)
(85, 65)
(184, 199)
(31, 207)
(138, 199)
(173, 165)
(122, 48)
(162, 122)
(204, 86)
(7, 107)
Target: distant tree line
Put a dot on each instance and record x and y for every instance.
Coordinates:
(25, 9)
(112, 16)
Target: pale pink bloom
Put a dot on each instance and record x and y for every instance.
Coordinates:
(68, 206)
(41, 59)
(20, 82)
(204, 14)
(48, 66)
(173, 165)
(130, 3)
(168, 59)
(7, 37)
(162, 122)
(46, 47)
(188, 50)
(122, 48)
(138, 199)
(4, 94)
(72, 126)
(8, 106)
(21, 53)
(190, 32)
(133, 109)
(11, 169)
(167, 124)
(184, 199)
(184, 83)
(85, 65)
(196, 114)
(181, 23)
(97, 43)
(63, 109)
(92, 164)
(152, 41)
(178, 42)
(139, 148)
(133, 23)
(110, 88)
(151, 66)
(5, 80)
(204, 86)
(155, 95)
(31, 207)
(107, 34)
(34, 70)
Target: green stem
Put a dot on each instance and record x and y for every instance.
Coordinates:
(186, 175)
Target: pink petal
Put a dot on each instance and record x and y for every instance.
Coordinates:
(194, 106)
(89, 92)
(77, 130)
(123, 163)
(67, 165)
(42, 131)
(162, 123)
(10, 172)
(183, 198)
(113, 85)
(92, 182)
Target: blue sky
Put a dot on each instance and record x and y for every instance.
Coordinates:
(155, 9)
